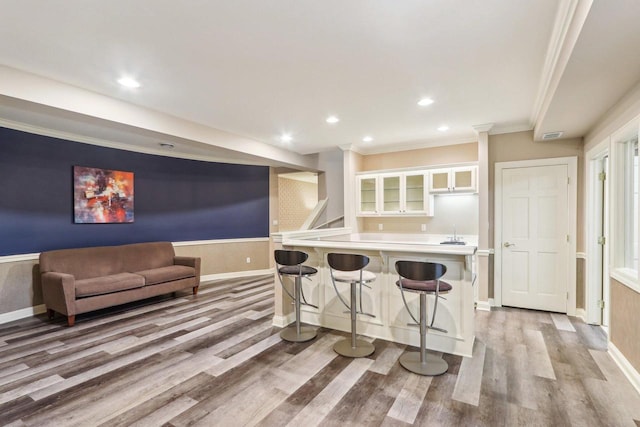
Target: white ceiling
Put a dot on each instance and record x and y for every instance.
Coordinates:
(258, 69)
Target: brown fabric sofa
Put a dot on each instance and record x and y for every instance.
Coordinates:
(76, 281)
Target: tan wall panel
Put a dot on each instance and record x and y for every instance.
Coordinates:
(296, 200)
(229, 257)
(19, 285)
(625, 318)
(580, 283)
(459, 153)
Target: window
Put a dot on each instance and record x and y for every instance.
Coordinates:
(630, 151)
(625, 209)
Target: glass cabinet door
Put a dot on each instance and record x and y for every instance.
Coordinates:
(440, 181)
(367, 195)
(464, 179)
(391, 201)
(414, 193)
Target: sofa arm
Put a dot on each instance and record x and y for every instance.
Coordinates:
(59, 292)
(190, 262)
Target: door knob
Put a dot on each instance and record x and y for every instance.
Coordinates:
(507, 244)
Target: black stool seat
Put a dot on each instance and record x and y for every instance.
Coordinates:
(294, 270)
(423, 286)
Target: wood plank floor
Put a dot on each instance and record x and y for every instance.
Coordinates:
(215, 360)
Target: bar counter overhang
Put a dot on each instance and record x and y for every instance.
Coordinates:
(455, 313)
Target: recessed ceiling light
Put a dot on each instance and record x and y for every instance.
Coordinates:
(129, 82)
(286, 138)
(443, 128)
(367, 139)
(425, 101)
(332, 119)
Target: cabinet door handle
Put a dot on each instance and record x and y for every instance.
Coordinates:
(507, 244)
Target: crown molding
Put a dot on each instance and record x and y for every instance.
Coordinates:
(414, 145)
(568, 24)
(482, 128)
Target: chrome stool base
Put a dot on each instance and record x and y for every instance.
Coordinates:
(291, 334)
(433, 365)
(362, 348)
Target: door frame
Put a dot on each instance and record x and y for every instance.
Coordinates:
(572, 222)
(595, 271)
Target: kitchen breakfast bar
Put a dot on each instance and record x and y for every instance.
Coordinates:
(383, 300)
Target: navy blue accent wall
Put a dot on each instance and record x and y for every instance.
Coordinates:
(175, 199)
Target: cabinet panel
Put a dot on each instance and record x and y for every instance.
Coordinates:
(391, 200)
(368, 195)
(453, 180)
(415, 196)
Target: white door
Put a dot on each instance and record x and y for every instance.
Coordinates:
(535, 249)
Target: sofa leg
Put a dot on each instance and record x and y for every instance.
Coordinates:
(50, 313)
(195, 290)
(71, 320)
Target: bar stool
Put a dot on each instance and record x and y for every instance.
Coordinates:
(348, 268)
(289, 263)
(423, 278)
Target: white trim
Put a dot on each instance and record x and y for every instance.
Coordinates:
(627, 368)
(22, 313)
(570, 18)
(627, 277)
(485, 252)
(581, 255)
(492, 302)
(36, 255)
(483, 306)
(219, 241)
(582, 314)
(19, 258)
(283, 321)
(593, 273)
(235, 275)
(572, 215)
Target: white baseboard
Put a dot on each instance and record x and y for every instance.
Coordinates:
(483, 306)
(235, 274)
(22, 313)
(283, 321)
(582, 314)
(627, 369)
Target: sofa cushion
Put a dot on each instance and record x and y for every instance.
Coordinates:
(146, 256)
(108, 284)
(166, 274)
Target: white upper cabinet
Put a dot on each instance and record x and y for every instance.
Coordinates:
(394, 194)
(454, 180)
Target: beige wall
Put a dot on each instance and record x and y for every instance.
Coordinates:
(624, 330)
(460, 153)
(296, 200)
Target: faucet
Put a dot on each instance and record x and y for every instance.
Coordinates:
(455, 235)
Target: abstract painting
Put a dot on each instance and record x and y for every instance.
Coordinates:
(102, 196)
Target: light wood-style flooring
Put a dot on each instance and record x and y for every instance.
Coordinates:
(215, 360)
